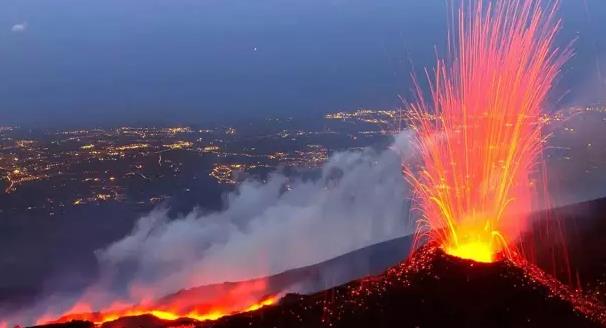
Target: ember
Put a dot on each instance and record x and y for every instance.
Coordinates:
(479, 135)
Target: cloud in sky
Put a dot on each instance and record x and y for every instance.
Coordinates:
(18, 28)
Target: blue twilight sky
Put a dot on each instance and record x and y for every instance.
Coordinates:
(192, 61)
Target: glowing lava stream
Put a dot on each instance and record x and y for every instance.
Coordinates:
(479, 135)
(99, 318)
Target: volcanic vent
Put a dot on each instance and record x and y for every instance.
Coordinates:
(433, 289)
(430, 289)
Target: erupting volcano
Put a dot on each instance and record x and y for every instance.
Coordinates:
(479, 136)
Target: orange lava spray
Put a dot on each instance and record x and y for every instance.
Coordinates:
(479, 134)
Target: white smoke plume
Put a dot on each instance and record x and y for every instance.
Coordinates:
(268, 227)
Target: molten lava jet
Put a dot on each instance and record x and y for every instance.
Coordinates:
(479, 134)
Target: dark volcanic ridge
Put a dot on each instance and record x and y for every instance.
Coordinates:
(433, 289)
(430, 289)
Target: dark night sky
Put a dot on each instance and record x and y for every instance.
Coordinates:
(96, 62)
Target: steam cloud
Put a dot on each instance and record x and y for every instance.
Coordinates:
(269, 227)
(359, 199)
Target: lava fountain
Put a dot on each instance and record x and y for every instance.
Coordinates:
(479, 133)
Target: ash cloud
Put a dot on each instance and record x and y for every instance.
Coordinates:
(359, 199)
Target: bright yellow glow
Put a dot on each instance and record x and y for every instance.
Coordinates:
(164, 314)
(479, 133)
(255, 307)
(476, 251)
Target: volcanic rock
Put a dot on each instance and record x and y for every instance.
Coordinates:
(433, 289)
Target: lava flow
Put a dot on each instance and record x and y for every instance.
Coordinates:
(218, 301)
(479, 135)
(204, 313)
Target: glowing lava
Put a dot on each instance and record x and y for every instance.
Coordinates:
(477, 251)
(201, 304)
(211, 313)
(479, 135)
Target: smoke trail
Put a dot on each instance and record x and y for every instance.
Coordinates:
(265, 228)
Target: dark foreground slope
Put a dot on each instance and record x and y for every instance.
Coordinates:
(435, 290)
(314, 278)
(431, 289)
(584, 228)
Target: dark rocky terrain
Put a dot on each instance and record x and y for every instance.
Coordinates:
(432, 289)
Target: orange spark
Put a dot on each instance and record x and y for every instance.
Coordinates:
(479, 135)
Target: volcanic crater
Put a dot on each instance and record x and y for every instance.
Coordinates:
(430, 289)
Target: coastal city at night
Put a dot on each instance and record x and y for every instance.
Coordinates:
(52, 169)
